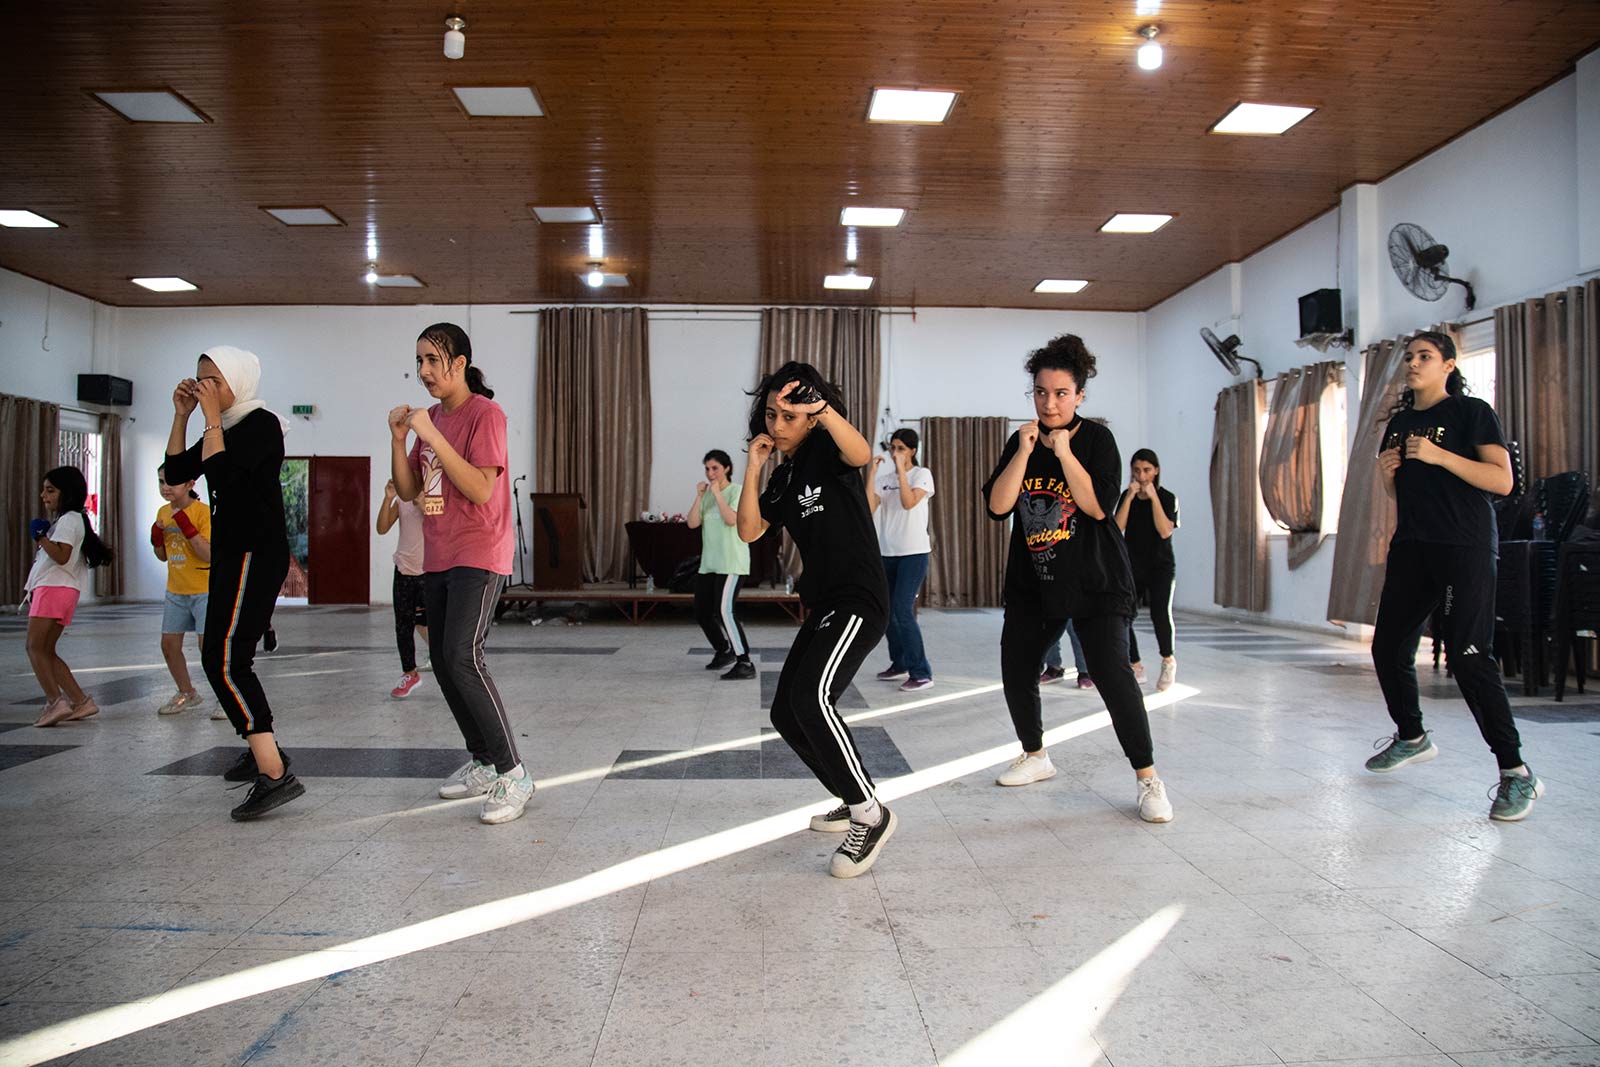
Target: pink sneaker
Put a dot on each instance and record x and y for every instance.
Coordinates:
(58, 710)
(408, 682)
(912, 685)
(84, 710)
(1085, 682)
(1138, 673)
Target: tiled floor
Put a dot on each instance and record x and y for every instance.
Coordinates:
(1298, 909)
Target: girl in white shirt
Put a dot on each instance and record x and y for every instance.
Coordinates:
(899, 501)
(68, 547)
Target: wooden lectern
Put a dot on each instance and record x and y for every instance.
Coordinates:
(557, 540)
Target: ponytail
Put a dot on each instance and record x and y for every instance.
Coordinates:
(452, 341)
(476, 383)
(1454, 385)
(74, 490)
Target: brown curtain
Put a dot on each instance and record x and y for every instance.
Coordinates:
(1241, 543)
(1291, 454)
(108, 579)
(30, 433)
(1547, 382)
(1366, 511)
(967, 567)
(592, 409)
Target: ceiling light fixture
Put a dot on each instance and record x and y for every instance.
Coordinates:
(304, 216)
(149, 105)
(26, 220)
(928, 106)
(499, 101)
(596, 276)
(564, 214)
(848, 280)
(1134, 222)
(1147, 8)
(850, 249)
(872, 216)
(1061, 285)
(165, 285)
(400, 281)
(1149, 54)
(1261, 120)
(455, 42)
(597, 242)
(372, 274)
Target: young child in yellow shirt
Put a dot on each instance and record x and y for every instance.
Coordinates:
(181, 536)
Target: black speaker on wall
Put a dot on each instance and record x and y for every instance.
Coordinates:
(104, 389)
(1321, 312)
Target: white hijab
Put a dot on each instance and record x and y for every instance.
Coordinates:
(242, 371)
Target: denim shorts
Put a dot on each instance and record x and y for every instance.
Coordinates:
(184, 612)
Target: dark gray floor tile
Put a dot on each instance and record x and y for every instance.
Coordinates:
(851, 697)
(1556, 713)
(333, 762)
(117, 690)
(17, 755)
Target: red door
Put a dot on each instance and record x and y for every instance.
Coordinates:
(338, 542)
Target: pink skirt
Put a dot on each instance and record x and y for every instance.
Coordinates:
(54, 602)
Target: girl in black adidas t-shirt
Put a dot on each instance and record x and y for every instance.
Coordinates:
(818, 496)
(1442, 457)
(1057, 480)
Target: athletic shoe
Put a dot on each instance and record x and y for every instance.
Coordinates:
(1169, 674)
(506, 798)
(861, 846)
(426, 664)
(912, 685)
(893, 674)
(1085, 682)
(1397, 753)
(741, 670)
(1514, 796)
(1026, 769)
(268, 794)
(1138, 673)
(84, 710)
(836, 821)
(408, 682)
(244, 768)
(180, 700)
(218, 714)
(58, 710)
(269, 640)
(1153, 803)
(721, 661)
(1052, 675)
(471, 779)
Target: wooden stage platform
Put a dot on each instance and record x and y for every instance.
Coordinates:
(636, 604)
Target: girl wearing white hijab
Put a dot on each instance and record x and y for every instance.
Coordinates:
(240, 453)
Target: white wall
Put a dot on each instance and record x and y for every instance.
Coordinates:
(700, 366)
(47, 339)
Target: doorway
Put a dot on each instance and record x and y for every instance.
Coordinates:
(326, 509)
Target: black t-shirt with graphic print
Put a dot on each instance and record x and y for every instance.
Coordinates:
(1062, 563)
(822, 501)
(1149, 552)
(1433, 505)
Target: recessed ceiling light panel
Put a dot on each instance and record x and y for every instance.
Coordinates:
(149, 105)
(1061, 285)
(847, 281)
(499, 102)
(399, 281)
(1125, 222)
(165, 285)
(910, 105)
(564, 214)
(607, 281)
(26, 220)
(304, 216)
(872, 216)
(1261, 120)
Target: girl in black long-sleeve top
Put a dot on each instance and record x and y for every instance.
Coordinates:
(240, 453)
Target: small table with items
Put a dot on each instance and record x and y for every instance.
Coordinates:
(659, 548)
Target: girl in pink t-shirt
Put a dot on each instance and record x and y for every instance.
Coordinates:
(455, 471)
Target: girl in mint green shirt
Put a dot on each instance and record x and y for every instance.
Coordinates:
(724, 560)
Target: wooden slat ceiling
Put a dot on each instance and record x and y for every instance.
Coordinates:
(720, 139)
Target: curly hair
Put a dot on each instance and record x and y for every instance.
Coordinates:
(1066, 352)
(773, 383)
(1454, 385)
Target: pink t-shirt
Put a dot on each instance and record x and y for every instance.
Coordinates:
(455, 531)
(408, 554)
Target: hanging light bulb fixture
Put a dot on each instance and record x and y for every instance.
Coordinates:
(371, 277)
(1149, 54)
(455, 42)
(596, 276)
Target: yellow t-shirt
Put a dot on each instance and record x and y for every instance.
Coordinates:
(186, 575)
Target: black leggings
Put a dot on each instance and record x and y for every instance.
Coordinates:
(716, 609)
(461, 603)
(1420, 578)
(410, 611)
(1157, 590)
(244, 590)
(827, 652)
(1025, 638)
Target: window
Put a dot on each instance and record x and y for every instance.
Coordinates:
(80, 447)
(1475, 360)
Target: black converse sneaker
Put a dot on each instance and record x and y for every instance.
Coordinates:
(861, 846)
(244, 768)
(721, 661)
(267, 794)
(836, 821)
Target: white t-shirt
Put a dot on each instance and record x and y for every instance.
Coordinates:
(902, 532)
(68, 530)
(408, 556)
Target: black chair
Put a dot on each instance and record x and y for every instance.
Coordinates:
(1513, 513)
(1577, 608)
(1524, 605)
(1563, 498)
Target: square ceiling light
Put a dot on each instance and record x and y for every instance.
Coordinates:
(612, 281)
(499, 102)
(399, 281)
(165, 285)
(304, 216)
(910, 105)
(847, 281)
(872, 216)
(1260, 120)
(564, 214)
(1061, 285)
(149, 105)
(26, 220)
(1126, 222)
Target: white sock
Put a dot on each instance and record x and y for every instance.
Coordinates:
(870, 813)
(517, 772)
(1521, 771)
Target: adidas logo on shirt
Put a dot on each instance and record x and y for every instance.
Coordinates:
(810, 498)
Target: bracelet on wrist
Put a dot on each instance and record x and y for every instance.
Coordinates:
(208, 429)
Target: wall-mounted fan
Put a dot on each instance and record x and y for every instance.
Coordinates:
(1227, 352)
(1419, 262)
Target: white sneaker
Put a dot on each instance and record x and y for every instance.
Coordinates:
(180, 700)
(1026, 769)
(1169, 674)
(1153, 803)
(426, 664)
(1138, 673)
(506, 798)
(218, 714)
(472, 779)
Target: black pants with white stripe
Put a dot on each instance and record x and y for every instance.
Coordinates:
(716, 609)
(827, 652)
(461, 605)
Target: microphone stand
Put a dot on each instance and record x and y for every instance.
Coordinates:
(522, 545)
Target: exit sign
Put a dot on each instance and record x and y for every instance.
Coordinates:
(304, 409)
